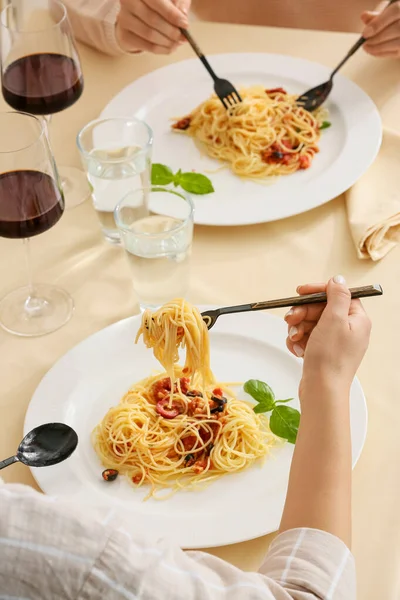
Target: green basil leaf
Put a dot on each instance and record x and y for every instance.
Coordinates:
(161, 174)
(284, 423)
(261, 408)
(195, 183)
(261, 392)
(325, 125)
(283, 401)
(177, 178)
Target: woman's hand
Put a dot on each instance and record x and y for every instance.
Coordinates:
(332, 337)
(151, 25)
(382, 30)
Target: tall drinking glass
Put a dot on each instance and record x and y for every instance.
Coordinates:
(116, 153)
(31, 202)
(156, 227)
(40, 70)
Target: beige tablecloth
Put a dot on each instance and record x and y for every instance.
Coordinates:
(248, 264)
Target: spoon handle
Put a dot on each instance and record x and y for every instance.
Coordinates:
(350, 53)
(354, 49)
(8, 461)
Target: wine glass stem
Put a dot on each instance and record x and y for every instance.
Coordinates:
(34, 306)
(31, 289)
(47, 121)
(29, 267)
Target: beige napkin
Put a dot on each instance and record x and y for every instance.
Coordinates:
(373, 203)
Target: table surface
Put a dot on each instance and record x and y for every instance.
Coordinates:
(249, 264)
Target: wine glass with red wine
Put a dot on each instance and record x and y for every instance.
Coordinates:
(41, 72)
(31, 202)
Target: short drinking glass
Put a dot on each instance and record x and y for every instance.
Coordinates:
(156, 227)
(116, 154)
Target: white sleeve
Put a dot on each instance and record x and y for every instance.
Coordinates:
(56, 549)
(93, 23)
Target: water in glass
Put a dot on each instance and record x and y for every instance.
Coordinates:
(113, 173)
(156, 227)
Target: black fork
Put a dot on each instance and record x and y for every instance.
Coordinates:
(225, 91)
(210, 316)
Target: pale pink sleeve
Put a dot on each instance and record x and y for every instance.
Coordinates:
(93, 23)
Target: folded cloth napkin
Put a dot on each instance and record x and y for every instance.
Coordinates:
(373, 203)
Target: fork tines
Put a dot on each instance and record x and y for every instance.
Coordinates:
(228, 95)
(231, 100)
(225, 91)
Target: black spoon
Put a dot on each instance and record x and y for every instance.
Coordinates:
(45, 445)
(314, 98)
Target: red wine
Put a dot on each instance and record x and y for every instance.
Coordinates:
(30, 203)
(42, 84)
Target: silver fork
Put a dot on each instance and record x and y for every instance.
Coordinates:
(225, 91)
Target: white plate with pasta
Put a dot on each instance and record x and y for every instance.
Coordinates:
(315, 166)
(91, 379)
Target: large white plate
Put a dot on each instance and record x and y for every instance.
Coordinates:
(94, 375)
(347, 148)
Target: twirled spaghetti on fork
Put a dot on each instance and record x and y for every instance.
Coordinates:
(180, 429)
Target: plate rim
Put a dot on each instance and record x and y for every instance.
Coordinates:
(226, 538)
(338, 188)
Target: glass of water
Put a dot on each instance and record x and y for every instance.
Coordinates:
(156, 228)
(116, 154)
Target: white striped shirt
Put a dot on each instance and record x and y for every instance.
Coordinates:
(50, 550)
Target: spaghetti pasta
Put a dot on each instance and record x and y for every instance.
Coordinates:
(180, 430)
(266, 135)
(178, 324)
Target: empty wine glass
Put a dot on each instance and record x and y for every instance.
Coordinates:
(41, 72)
(31, 202)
